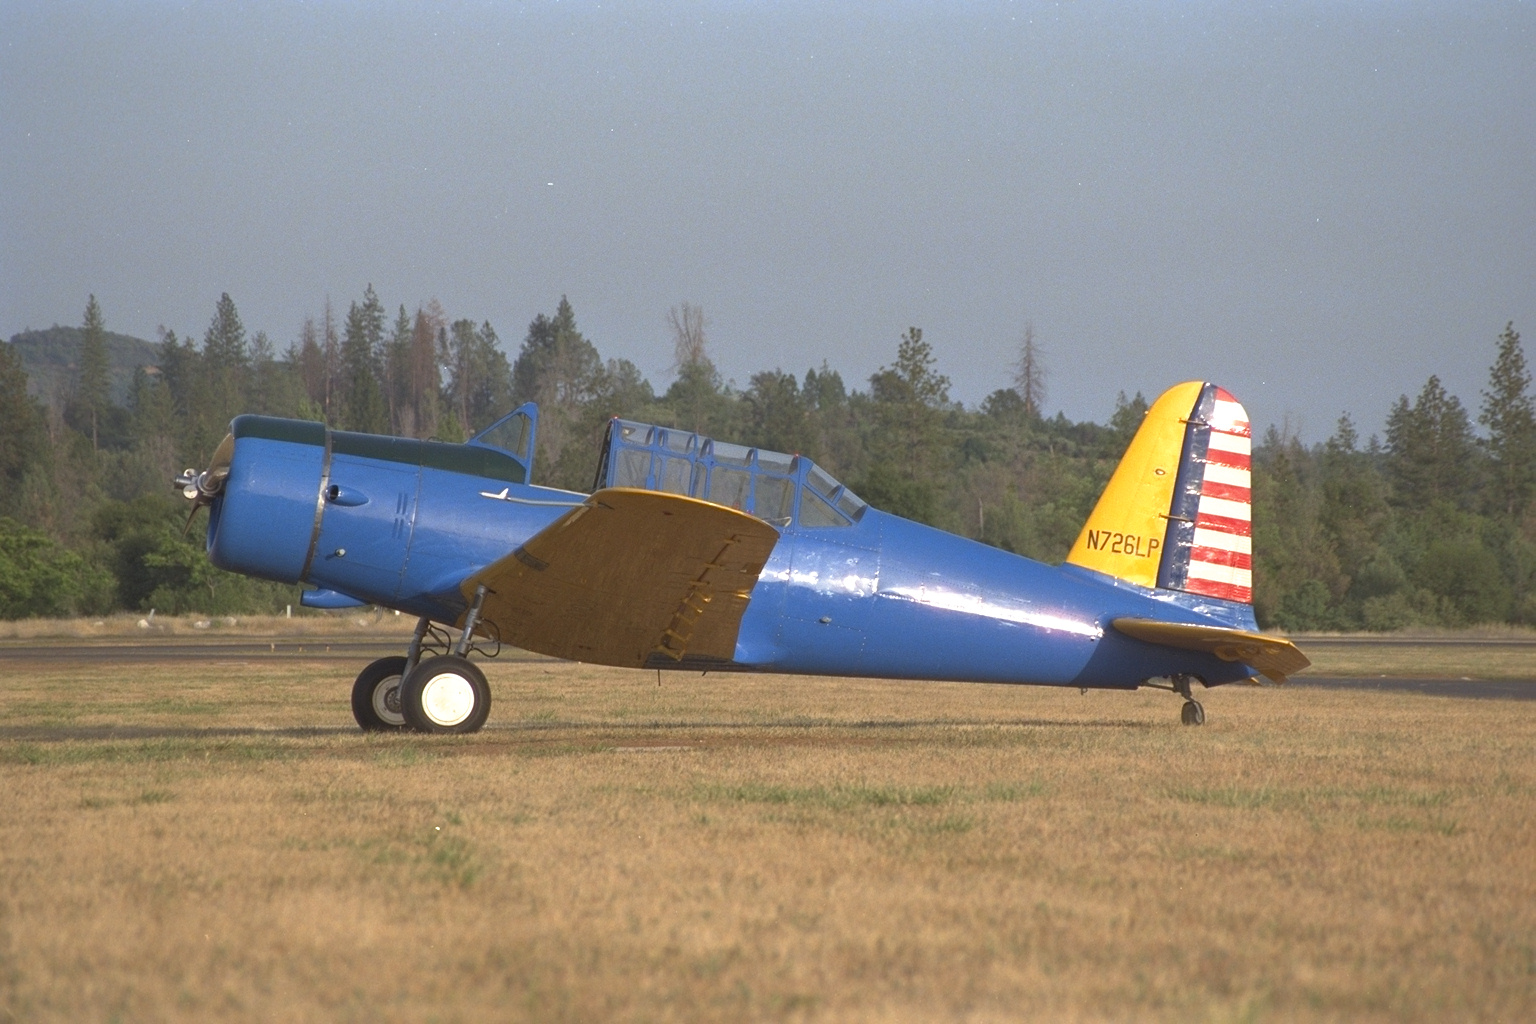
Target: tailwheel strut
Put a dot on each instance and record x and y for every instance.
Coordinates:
(1192, 713)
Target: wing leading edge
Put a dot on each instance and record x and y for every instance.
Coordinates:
(627, 576)
(1272, 656)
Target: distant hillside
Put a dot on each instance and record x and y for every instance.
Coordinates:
(50, 358)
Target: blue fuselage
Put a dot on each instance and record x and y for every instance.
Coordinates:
(402, 523)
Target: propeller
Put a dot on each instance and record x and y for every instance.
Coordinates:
(201, 488)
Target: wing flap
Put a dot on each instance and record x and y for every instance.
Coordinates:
(1273, 656)
(627, 575)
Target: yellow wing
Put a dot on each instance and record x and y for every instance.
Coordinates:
(628, 575)
(1271, 655)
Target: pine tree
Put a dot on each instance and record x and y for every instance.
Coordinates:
(362, 401)
(330, 354)
(905, 447)
(92, 389)
(1430, 449)
(1509, 415)
(558, 368)
(224, 344)
(261, 389)
(310, 361)
(776, 413)
(225, 362)
(424, 379)
(397, 362)
(1355, 515)
(1126, 420)
(22, 439)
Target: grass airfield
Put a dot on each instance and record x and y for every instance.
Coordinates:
(206, 841)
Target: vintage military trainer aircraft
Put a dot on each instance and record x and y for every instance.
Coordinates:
(696, 554)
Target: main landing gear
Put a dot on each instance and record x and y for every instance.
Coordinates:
(444, 693)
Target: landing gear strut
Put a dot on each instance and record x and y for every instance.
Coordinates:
(445, 693)
(1192, 713)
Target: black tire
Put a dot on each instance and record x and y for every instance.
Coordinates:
(1193, 713)
(376, 696)
(445, 694)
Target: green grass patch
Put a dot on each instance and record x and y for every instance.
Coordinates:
(1404, 823)
(37, 711)
(1012, 792)
(451, 860)
(950, 824)
(832, 797)
(178, 706)
(1322, 798)
(144, 752)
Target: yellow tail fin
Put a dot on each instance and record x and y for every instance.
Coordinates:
(1175, 514)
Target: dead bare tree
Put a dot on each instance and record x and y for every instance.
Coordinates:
(1029, 374)
(688, 324)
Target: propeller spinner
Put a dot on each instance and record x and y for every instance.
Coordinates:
(201, 488)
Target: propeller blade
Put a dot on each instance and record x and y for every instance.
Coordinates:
(202, 488)
(218, 466)
(187, 526)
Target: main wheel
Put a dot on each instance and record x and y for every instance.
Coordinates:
(1193, 713)
(445, 694)
(376, 696)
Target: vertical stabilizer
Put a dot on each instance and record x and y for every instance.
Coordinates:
(1175, 515)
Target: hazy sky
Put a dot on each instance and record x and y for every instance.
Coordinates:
(1315, 204)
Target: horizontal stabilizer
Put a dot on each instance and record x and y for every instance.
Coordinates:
(1272, 656)
(627, 575)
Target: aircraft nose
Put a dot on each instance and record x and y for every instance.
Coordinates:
(264, 520)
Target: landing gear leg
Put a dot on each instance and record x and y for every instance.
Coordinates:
(1192, 713)
(413, 652)
(447, 693)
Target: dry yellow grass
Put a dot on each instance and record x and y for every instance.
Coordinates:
(185, 842)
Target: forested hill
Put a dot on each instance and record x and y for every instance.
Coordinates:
(51, 359)
(1433, 524)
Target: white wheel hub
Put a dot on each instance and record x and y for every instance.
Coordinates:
(447, 699)
(386, 701)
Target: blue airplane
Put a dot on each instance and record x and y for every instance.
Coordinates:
(700, 555)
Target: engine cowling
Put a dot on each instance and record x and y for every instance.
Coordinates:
(264, 522)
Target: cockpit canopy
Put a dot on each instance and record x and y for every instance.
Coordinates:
(514, 434)
(779, 488)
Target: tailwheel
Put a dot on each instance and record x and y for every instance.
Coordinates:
(376, 696)
(446, 693)
(1193, 713)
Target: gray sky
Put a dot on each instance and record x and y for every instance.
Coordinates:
(1316, 205)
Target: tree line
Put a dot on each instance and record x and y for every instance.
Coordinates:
(1433, 524)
